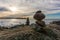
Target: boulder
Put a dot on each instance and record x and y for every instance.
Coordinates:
(56, 22)
(39, 16)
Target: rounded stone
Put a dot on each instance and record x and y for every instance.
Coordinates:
(39, 16)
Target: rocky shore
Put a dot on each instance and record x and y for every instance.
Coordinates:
(29, 33)
(37, 31)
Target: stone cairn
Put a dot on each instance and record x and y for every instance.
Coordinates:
(28, 22)
(40, 24)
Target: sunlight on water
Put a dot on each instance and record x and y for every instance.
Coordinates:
(12, 22)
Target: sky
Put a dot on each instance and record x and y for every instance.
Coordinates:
(29, 7)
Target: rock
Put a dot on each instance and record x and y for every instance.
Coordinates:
(39, 16)
(27, 21)
(56, 22)
(41, 23)
(54, 26)
(30, 36)
(27, 33)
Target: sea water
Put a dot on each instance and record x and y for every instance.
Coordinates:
(12, 22)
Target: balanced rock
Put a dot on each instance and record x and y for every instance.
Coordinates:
(39, 16)
(41, 23)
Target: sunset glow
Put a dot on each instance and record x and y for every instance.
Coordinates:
(13, 9)
(29, 7)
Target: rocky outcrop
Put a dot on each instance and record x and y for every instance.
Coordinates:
(30, 34)
(36, 32)
(56, 22)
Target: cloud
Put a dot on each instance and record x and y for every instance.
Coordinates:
(37, 4)
(2, 9)
(28, 6)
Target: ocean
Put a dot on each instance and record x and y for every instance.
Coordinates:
(12, 22)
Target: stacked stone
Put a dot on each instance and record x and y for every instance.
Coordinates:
(28, 21)
(39, 16)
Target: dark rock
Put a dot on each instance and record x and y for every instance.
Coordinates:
(56, 22)
(39, 16)
(41, 23)
(27, 21)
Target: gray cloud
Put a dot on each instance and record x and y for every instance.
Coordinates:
(2, 9)
(46, 5)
